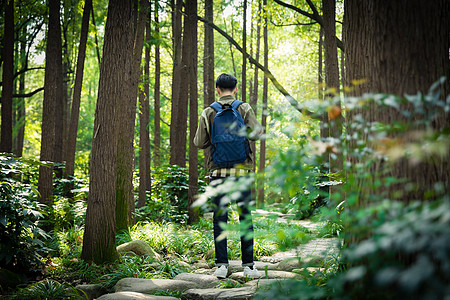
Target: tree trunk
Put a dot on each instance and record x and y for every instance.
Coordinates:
(99, 241)
(208, 61)
(208, 64)
(179, 125)
(191, 37)
(19, 122)
(320, 72)
(177, 144)
(75, 113)
(254, 100)
(52, 99)
(157, 104)
(244, 55)
(125, 118)
(332, 69)
(63, 113)
(262, 153)
(399, 47)
(334, 123)
(6, 138)
(144, 133)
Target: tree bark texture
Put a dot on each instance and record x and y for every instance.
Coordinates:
(19, 122)
(399, 47)
(157, 94)
(53, 84)
(125, 118)
(254, 99)
(331, 58)
(262, 152)
(332, 75)
(176, 143)
(6, 137)
(208, 64)
(99, 242)
(75, 112)
(244, 55)
(144, 133)
(179, 124)
(191, 35)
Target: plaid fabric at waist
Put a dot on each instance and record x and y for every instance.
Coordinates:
(228, 172)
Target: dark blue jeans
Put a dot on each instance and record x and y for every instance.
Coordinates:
(220, 218)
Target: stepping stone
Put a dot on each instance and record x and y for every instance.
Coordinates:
(271, 275)
(244, 293)
(133, 296)
(138, 247)
(148, 286)
(203, 281)
(260, 283)
(290, 264)
(92, 291)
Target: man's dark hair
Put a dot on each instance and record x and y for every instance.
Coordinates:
(226, 82)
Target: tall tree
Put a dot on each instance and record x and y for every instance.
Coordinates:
(19, 114)
(125, 118)
(157, 93)
(179, 124)
(144, 117)
(254, 97)
(191, 29)
(262, 152)
(53, 86)
(331, 60)
(254, 100)
(208, 63)
(8, 79)
(244, 54)
(99, 241)
(333, 121)
(177, 143)
(208, 57)
(399, 47)
(63, 108)
(75, 111)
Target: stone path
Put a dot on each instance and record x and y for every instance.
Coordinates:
(200, 284)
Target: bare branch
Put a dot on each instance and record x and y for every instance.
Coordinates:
(315, 16)
(26, 70)
(294, 24)
(314, 9)
(29, 94)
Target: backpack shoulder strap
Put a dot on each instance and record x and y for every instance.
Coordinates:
(236, 104)
(216, 106)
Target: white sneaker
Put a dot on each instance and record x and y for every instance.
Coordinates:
(251, 273)
(221, 272)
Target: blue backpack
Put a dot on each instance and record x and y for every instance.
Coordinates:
(229, 144)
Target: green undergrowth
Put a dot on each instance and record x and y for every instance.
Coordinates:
(180, 246)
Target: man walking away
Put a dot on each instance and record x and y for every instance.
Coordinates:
(225, 127)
